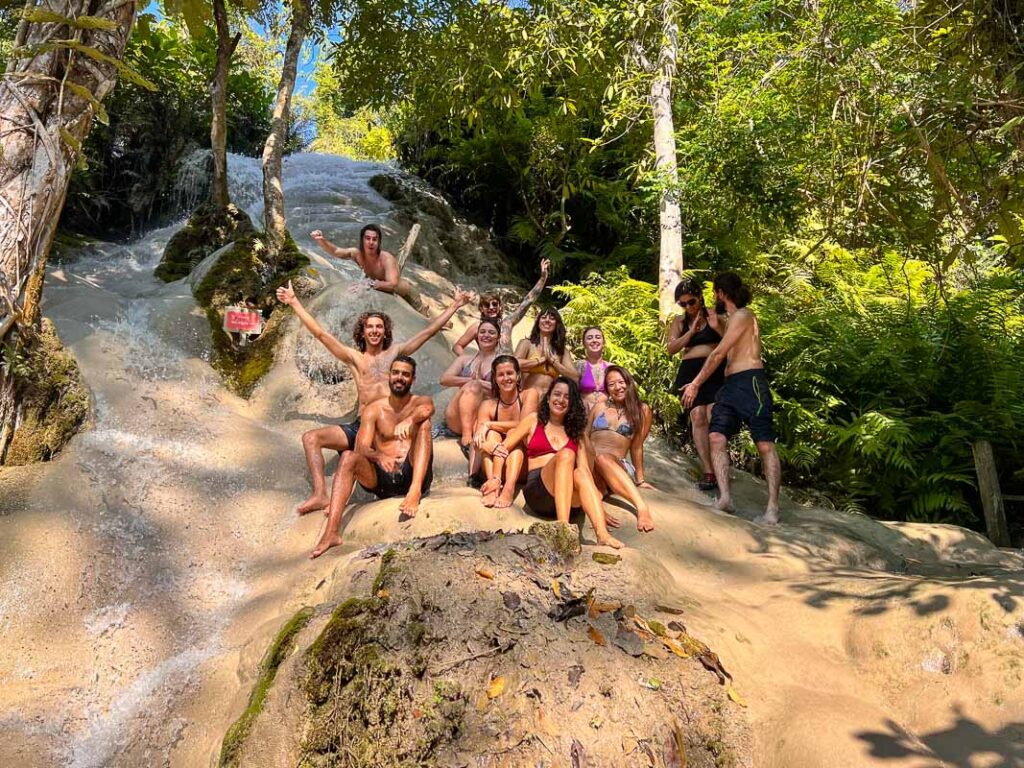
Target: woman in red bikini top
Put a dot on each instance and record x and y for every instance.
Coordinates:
(558, 481)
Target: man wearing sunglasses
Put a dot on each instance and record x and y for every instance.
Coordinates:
(491, 306)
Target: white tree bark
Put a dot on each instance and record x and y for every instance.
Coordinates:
(670, 263)
(274, 223)
(49, 94)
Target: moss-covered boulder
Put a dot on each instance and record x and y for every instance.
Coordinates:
(54, 399)
(208, 229)
(245, 275)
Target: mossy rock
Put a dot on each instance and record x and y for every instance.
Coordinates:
(208, 229)
(55, 400)
(243, 275)
(563, 539)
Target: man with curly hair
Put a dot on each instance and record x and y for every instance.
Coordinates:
(369, 363)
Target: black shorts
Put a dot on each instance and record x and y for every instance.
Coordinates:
(744, 399)
(397, 483)
(351, 430)
(537, 497)
(688, 370)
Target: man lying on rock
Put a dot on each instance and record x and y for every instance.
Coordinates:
(393, 455)
(369, 364)
(381, 267)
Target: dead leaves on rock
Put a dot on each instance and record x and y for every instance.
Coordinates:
(605, 559)
(496, 687)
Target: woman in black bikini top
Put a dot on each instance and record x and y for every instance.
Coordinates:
(499, 414)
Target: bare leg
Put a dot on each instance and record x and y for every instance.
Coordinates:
(422, 454)
(773, 474)
(557, 478)
(720, 459)
(313, 443)
(412, 297)
(471, 395)
(492, 484)
(588, 497)
(513, 466)
(611, 470)
(353, 467)
(699, 427)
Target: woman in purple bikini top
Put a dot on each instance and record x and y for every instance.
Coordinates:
(593, 367)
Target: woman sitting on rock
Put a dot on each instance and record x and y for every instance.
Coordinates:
(471, 373)
(559, 480)
(592, 368)
(544, 355)
(498, 415)
(616, 431)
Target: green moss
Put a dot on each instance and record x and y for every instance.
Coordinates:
(208, 229)
(562, 539)
(54, 399)
(277, 652)
(387, 570)
(242, 274)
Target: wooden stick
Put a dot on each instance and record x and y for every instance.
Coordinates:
(991, 498)
(406, 249)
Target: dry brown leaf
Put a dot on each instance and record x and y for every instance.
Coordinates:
(735, 696)
(655, 651)
(597, 607)
(595, 634)
(676, 648)
(496, 688)
(383, 594)
(485, 573)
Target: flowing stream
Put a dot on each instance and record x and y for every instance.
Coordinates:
(156, 533)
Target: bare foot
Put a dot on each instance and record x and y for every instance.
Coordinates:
(327, 541)
(504, 499)
(644, 521)
(724, 504)
(610, 541)
(771, 517)
(611, 521)
(410, 504)
(312, 504)
(489, 491)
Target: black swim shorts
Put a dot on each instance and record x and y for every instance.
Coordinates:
(537, 498)
(397, 483)
(688, 370)
(744, 399)
(351, 430)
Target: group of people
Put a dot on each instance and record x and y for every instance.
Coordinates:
(566, 432)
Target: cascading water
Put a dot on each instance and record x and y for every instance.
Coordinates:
(164, 513)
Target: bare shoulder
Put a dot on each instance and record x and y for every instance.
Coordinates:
(374, 409)
(530, 396)
(418, 400)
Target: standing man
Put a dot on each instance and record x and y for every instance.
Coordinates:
(744, 397)
(393, 455)
(381, 267)
(369, 364)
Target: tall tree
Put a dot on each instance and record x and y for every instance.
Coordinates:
(274, 224)
(226, 45)
(66, 59)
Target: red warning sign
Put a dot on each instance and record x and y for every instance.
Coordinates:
(242, 320)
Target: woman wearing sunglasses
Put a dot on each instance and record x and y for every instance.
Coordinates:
(696, 333)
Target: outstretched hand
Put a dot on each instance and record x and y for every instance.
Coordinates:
(462, 297)
(317, 235)
(286, 294)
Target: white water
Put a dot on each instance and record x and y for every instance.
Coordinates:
(172, 499)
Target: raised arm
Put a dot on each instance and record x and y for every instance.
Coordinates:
(286, 295)
(466, 339)
(391, 274)
(738, 325)
(330, 248)
(410, 346)
(512, 318)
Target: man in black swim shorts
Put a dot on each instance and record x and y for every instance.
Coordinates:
(744, 397)
(393, 454)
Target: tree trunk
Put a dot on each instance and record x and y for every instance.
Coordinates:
(670, 263)
(219, 105)
(273, 195)
(991, 496)
(49, 95)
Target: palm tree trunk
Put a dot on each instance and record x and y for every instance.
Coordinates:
(670, 263)
(274, 223)
(49, 95)
(219, 103)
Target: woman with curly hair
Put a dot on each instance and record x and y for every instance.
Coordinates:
(508, 405)
(559, 480)
(544, 356)
(616, 431)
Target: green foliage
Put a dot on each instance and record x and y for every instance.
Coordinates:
(361, 134)
(132, 160)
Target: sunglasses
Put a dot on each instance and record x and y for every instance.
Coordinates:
(492, 303)
(689, 303)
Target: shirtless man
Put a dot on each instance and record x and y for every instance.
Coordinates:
(393, 454)
(369, 364)
(380, 266)
(490, 306)
(743, 398)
